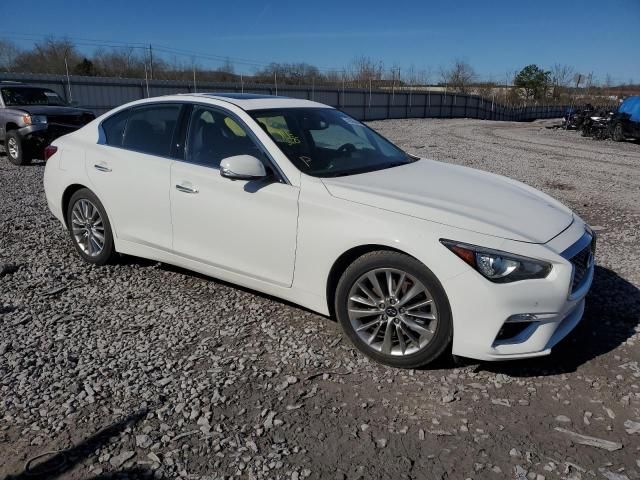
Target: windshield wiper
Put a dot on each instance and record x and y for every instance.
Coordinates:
(368, 169)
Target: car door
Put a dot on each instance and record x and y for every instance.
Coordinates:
(130, 171)
(244, 227)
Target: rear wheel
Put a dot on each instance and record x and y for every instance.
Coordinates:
(17, 151)
(618, 134)
(89, 228)
(394, 309)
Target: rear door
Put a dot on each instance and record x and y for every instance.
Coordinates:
(131, 169)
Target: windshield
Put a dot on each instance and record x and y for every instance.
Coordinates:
(323, 142)
(30, 96)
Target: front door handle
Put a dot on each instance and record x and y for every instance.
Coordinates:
(101, 167)
(186, 188)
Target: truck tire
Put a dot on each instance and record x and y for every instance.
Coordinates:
(16, 150)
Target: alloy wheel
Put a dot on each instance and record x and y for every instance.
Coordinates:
(87, 227)
(392, 312)
(13, 148)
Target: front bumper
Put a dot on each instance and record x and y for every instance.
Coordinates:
(481, 308)
(39, 136)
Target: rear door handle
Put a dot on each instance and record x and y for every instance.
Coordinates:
(101, 167)
(186, 188)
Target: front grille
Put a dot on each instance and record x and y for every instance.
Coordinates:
(581, 263)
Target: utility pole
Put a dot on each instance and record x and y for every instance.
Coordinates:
(151, 61)
(66, 66)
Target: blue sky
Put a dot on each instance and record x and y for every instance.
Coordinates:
(493, 36)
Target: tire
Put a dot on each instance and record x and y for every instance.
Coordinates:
(17, 151)
(617, 135)
(87, 222)
(382, 343)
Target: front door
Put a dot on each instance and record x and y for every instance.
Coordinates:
(244, 227)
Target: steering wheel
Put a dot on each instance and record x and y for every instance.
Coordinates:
(347, 148)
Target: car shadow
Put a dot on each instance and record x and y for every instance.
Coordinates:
(62, 462)
(611, 316)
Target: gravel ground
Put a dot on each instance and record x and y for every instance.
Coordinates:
(142, 370)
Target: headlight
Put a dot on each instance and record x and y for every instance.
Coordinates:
(35, 119)
(497, 266)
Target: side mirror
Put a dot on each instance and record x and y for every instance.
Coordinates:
(242, 167)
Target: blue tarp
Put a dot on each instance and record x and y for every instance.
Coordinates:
(631, 106)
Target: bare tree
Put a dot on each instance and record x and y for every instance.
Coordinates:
(561, 76)
(8, 53)
(48, 56)
(363, 70)
(459, 77)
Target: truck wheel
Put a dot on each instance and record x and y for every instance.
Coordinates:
(617, 134)
(16, 152)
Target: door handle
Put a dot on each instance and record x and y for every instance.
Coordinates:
(101, 168)
(186, 189)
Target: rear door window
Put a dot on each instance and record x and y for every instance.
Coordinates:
(150, 129)
(113, 128)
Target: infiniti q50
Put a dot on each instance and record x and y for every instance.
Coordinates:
(301, 201)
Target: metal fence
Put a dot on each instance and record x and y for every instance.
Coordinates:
(101, 94)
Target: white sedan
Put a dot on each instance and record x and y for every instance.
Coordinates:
(300, 201)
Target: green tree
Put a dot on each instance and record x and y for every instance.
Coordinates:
(86, 68)
(533, 80)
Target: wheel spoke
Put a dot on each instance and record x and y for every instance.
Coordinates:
(369, 293)
(411, 336)
(413, 292)
(419, 304)
(399, 284)
(359, 312)
(399, 333)
(389, 277)
(373, 336)
(367, 326)
(376, 284)
(364, 301)
(416, 327)
(426, 316)
(387, 343)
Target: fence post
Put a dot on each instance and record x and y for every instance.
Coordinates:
(424, 115)
(388, 105)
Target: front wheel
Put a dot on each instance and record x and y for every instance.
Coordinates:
(16, 150)
(394, 309)
(89, 228)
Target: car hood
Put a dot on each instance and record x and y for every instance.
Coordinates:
(50, 110)
(459, 197)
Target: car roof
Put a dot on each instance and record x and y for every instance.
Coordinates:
(252, 101)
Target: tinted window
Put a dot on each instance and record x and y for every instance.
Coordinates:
(214, 136)
(30, 96)
(150, 129)
(113, 128)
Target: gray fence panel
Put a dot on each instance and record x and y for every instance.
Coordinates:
(103, 94)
